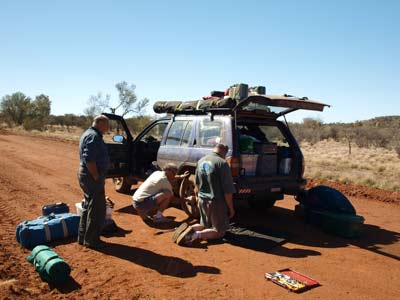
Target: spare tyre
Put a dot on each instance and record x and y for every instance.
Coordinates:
(325, 198)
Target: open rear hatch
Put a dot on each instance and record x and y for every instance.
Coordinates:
(274, 106)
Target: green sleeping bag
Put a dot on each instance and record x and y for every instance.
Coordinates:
(50, 266)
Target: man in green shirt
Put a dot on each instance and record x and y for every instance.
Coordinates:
(215, 187)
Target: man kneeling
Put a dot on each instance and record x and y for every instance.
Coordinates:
(155, 194)
(215, 188)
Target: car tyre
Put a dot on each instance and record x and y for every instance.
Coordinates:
(122, 185)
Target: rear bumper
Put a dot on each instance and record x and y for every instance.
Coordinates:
(248, 186)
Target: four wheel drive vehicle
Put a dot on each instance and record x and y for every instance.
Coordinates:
(265, 158)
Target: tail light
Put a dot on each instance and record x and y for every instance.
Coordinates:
(234, 164)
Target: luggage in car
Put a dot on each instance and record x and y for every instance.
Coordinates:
(166, 107)
(46, 229)
(218, 94)
(56, 208)
(267, 164)
(265, 148)
(325, 198)
(239, 91)
(50, 266)
(259, 90)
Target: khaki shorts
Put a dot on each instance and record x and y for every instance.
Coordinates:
(214, 214)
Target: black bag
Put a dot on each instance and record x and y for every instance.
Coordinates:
(217, 103)
(56, 208)
(189, 105)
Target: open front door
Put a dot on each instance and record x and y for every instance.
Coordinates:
(119, 143)
(276, 106)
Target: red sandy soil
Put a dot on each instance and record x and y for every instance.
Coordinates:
(142, 263)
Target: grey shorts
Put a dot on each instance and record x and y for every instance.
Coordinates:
(147, 206)
(214, 214)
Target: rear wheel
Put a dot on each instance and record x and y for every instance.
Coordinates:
(187, 189)
(122, 184)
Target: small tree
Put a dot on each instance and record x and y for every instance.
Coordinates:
(15, 108)
(127, 102)
(38, 114)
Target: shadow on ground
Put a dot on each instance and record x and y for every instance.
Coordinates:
(165, 265)
(373, 238)
(66, 287)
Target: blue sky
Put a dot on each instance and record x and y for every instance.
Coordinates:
(345, 53)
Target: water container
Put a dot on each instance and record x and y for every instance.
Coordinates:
(285, 166)
(249, 164)
(109, 210)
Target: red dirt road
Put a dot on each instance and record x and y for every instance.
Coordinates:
(140, 263)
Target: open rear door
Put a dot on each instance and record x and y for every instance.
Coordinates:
(276, 106)
(119, 143)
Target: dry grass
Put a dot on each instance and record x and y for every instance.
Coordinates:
(375, 167)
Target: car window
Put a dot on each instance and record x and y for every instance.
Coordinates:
(188, 134)
(155, 133)
(211, 133)
(175, 133)
(263, 134)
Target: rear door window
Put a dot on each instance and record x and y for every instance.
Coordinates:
(188, 134)
(175, 133)
(211, 132)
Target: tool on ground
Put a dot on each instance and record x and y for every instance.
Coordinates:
(292, 280)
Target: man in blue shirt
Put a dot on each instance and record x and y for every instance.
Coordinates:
(94, 162)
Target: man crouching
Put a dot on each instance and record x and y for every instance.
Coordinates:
(155, 194)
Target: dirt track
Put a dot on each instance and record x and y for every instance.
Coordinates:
(140, 263)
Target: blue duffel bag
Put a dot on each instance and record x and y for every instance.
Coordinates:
(46, 229)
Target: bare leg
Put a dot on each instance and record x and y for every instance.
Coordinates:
(163, 200)
(197, 227)
(206, 233)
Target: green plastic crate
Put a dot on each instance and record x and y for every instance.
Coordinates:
(345, 225)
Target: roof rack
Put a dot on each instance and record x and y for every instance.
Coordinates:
(222, 111)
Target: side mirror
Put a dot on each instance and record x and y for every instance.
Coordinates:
(118, 139)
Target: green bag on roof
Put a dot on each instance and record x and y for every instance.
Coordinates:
(50, 266)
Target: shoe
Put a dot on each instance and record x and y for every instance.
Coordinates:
(185, 238)
(179, 230)
(100, 245)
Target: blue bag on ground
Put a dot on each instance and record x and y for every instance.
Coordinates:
(50, 266)
(56, 208)
(46, 229)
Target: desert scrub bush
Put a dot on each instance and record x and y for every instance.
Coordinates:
(397, 150)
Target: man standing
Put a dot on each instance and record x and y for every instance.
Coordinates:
(155, 194)
(215, 188)
(94, 162)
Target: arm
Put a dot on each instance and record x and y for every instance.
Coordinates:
(92, 167)
(228, 188)
(184, 175)
(229, 202)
